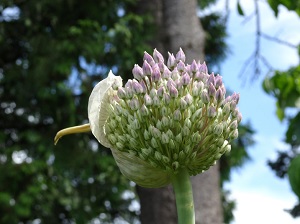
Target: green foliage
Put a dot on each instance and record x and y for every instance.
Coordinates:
(289, 4)
(52, 53)
(294, 175)
(216, 48)
(285, 87)
(205, 3)
(239, 9)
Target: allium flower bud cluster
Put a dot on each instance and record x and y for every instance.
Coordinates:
(170, 116)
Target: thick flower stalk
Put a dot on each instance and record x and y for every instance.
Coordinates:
(172, 118)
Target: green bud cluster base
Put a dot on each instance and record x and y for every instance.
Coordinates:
(173, 115)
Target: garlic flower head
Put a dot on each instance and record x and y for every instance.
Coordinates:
(170, 116)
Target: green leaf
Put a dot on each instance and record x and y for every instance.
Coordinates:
(294, 175)
(240, 10)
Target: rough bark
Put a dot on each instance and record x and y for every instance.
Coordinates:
(177, 26)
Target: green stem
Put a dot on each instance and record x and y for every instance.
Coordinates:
(184, 197)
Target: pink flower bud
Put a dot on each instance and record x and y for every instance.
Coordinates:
(147, 70)
(171, 61)
(158, 56)
(148, 58)
(180, 56)
(137, 72)
(185, 79)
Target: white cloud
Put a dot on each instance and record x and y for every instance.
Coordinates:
(261, 207)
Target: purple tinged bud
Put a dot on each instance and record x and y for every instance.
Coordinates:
(166, 98)
(170, 83)
(194, 67)
(121, 93)
(239, 117)
(180, 56)
(232, 105)
(137, 72)
(173, 92)
(233, 125)
(185, 79)
(211, 91)
(155, 77)
(144, 110)
(234, 134)
(165, 138)
(219, 95)
(157, 56)
(156, 101)
(134, 104)
(153, 93)
(161, 91)
(218, 80)
(165, 121)
(166, 74)
(177, 115)
(129, 92)
(148, 58)
(147, 70)
(171, 61)
(181, 66)
(235, 113)
(188, 98)
(203, 68)
(211, 79)
(218, 129)
(161, 67)
(226, 109)
(204, 97)
(236, 97)
(137, 88)
(175, 74)
(147, 100)
(211, 112)
(142, 83)
(128, 84)
(183, 104)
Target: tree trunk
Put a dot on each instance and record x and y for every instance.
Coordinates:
(177, 25)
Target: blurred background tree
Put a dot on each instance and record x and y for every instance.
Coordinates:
(52, 54)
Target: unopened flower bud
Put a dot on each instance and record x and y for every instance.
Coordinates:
(211, 112)
(185, 79)
(155, 77)
(157, 56)
(147, 135)
(233, 125)
(219, 95)
(129, 92)
(144, 110)
(121, 93)
(166, 98)
(203, 68)
(181, 66)
(147, 70)
(218, 80)
(148, 100)
(204, 97)
(134, 104)
(137, 88)
(165, 138)
(171, 61)
(194, 67)
(137, 72)
(173, 92)
(177, 115)
(211, 91)
(156, 101)
(180, 56)
(148, 58)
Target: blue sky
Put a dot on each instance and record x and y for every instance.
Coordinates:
(261, 197)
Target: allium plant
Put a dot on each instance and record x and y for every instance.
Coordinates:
(170, 122)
